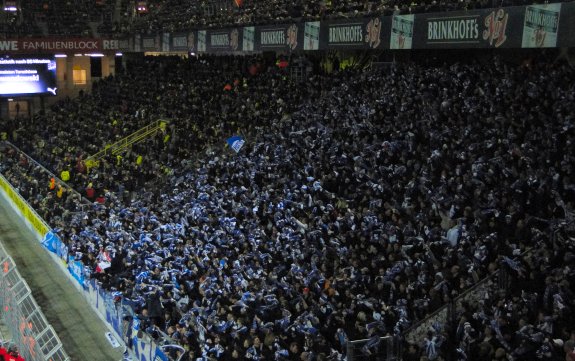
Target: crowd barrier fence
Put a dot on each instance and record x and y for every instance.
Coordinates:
(501, 280)
(387, 349)
(31, 333)
(59, 181)
(121, 145)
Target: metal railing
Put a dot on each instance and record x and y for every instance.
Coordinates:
(388, 348)
(44, 169)
(447, 313)
(32, 334)
(168, 345)
(125, 142)
(500, 278)
(442, 314)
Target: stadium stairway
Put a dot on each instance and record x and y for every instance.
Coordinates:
(124, 143)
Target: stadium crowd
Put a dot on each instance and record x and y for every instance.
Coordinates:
(361, 202)
(178, 15)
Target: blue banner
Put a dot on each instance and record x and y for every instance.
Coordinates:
(160, 356)
(236, 143)
(113, 316)
(51, 241)
(76, 269)
(53, 244)
(62, 251)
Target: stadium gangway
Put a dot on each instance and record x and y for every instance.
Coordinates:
(121, 145)
(31, 333)
(52, 175)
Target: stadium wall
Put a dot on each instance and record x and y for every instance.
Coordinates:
(118, 316)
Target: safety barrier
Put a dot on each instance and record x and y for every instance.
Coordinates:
(6, 143)
(124, 143)
(31, 333)
(499, 280)
(383, 349)
(19, 204)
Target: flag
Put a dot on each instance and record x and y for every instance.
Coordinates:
(102, 266)
(236, 142)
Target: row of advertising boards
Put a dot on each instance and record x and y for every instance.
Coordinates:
(533, 26)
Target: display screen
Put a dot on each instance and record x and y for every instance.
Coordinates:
(27, 75)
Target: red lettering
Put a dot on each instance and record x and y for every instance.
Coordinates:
(496, 27)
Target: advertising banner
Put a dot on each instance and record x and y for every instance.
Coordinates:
(151, 43)
(541, 26)
(248, 36)
(311, 35)
(33, 220)
(183, 41)
(76, 269)
(165, 42)
(201, 48)
(401, 32)
(360, 33)
(53, 244)
(47, 45)
(137, 43)
(223, 41)
(486, 28)
(62, 45)
(117, 45)
(285, 37)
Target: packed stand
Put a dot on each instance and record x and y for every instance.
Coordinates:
(180, 15)
(58, 17)
(67, 17)
(361, 202)
(12, 27)
(523, 313)
(21, 23)
(532, 318)
(60, 205)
